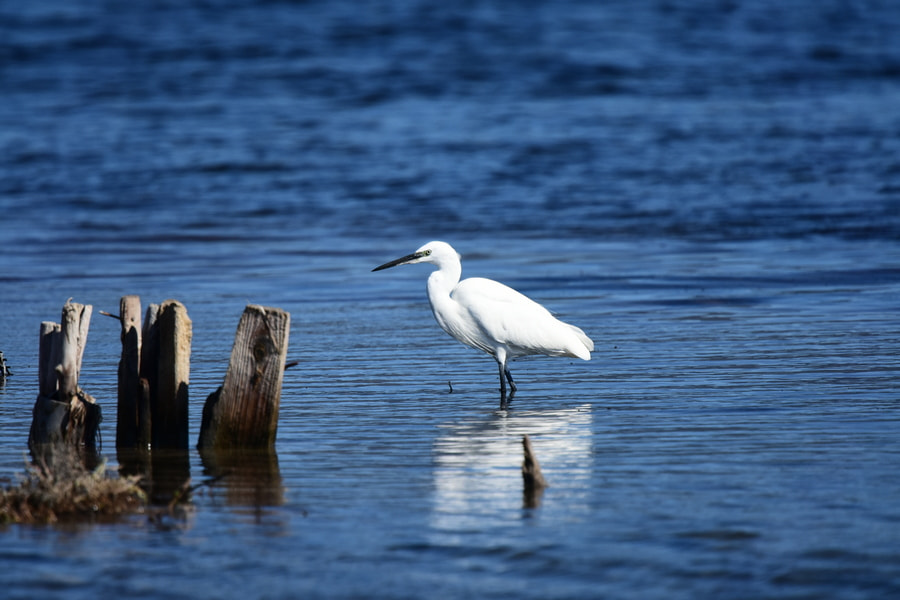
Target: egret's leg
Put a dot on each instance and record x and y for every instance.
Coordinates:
(501, 357)
(505, 376)
(512, 384)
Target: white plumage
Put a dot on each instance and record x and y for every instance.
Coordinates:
(492, 317)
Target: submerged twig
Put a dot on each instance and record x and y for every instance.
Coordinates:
(183, 493)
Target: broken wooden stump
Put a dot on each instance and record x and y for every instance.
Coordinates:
(149, 371)
(532, 478)
(4, 369)
(243, 413)
(128, 424)
(154, 373)
(169, 412)
(64, 416)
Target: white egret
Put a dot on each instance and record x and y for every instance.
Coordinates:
(492, 317)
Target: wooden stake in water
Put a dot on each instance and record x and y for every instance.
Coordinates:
(169, 405)
(63, 413)
(4, 369)
(154, 372)
(243, 413)
(532, 477)
(129, 385)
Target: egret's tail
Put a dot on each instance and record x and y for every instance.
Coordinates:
(583, 349)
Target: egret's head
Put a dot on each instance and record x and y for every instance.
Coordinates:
(432, 252)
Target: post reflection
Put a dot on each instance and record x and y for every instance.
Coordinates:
(478, 461)
(250, 477)
(163, 473)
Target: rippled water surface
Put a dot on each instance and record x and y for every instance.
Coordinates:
(712, 193)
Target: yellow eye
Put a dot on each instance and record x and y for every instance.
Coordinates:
(428, 253)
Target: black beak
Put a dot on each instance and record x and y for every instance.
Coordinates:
(399, 261)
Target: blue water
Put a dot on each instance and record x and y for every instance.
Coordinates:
(712, 192)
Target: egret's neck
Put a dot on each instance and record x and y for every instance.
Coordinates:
(442, 282)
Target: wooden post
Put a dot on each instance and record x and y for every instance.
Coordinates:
(4, 369)
(129, 388)
(144, 437)
(532, 477)
(149, 372)
(63, 413)
(154, 373)
(169, 405)
(244, 411)
(48, 358)
(76, 319)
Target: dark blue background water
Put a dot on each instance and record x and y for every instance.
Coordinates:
(711, 191)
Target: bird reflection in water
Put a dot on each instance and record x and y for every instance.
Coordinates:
(478, 462)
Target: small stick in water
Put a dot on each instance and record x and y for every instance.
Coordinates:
(532, 477)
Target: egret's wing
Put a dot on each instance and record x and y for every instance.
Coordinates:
(505, 316)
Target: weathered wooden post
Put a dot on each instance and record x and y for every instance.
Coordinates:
(4, 369)
(533, 479)
(153, 376)
(48, 357)
(129, 385)
(149, 371)
(63, 413)
(152, 427)
(169, 413)
(243, 413)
